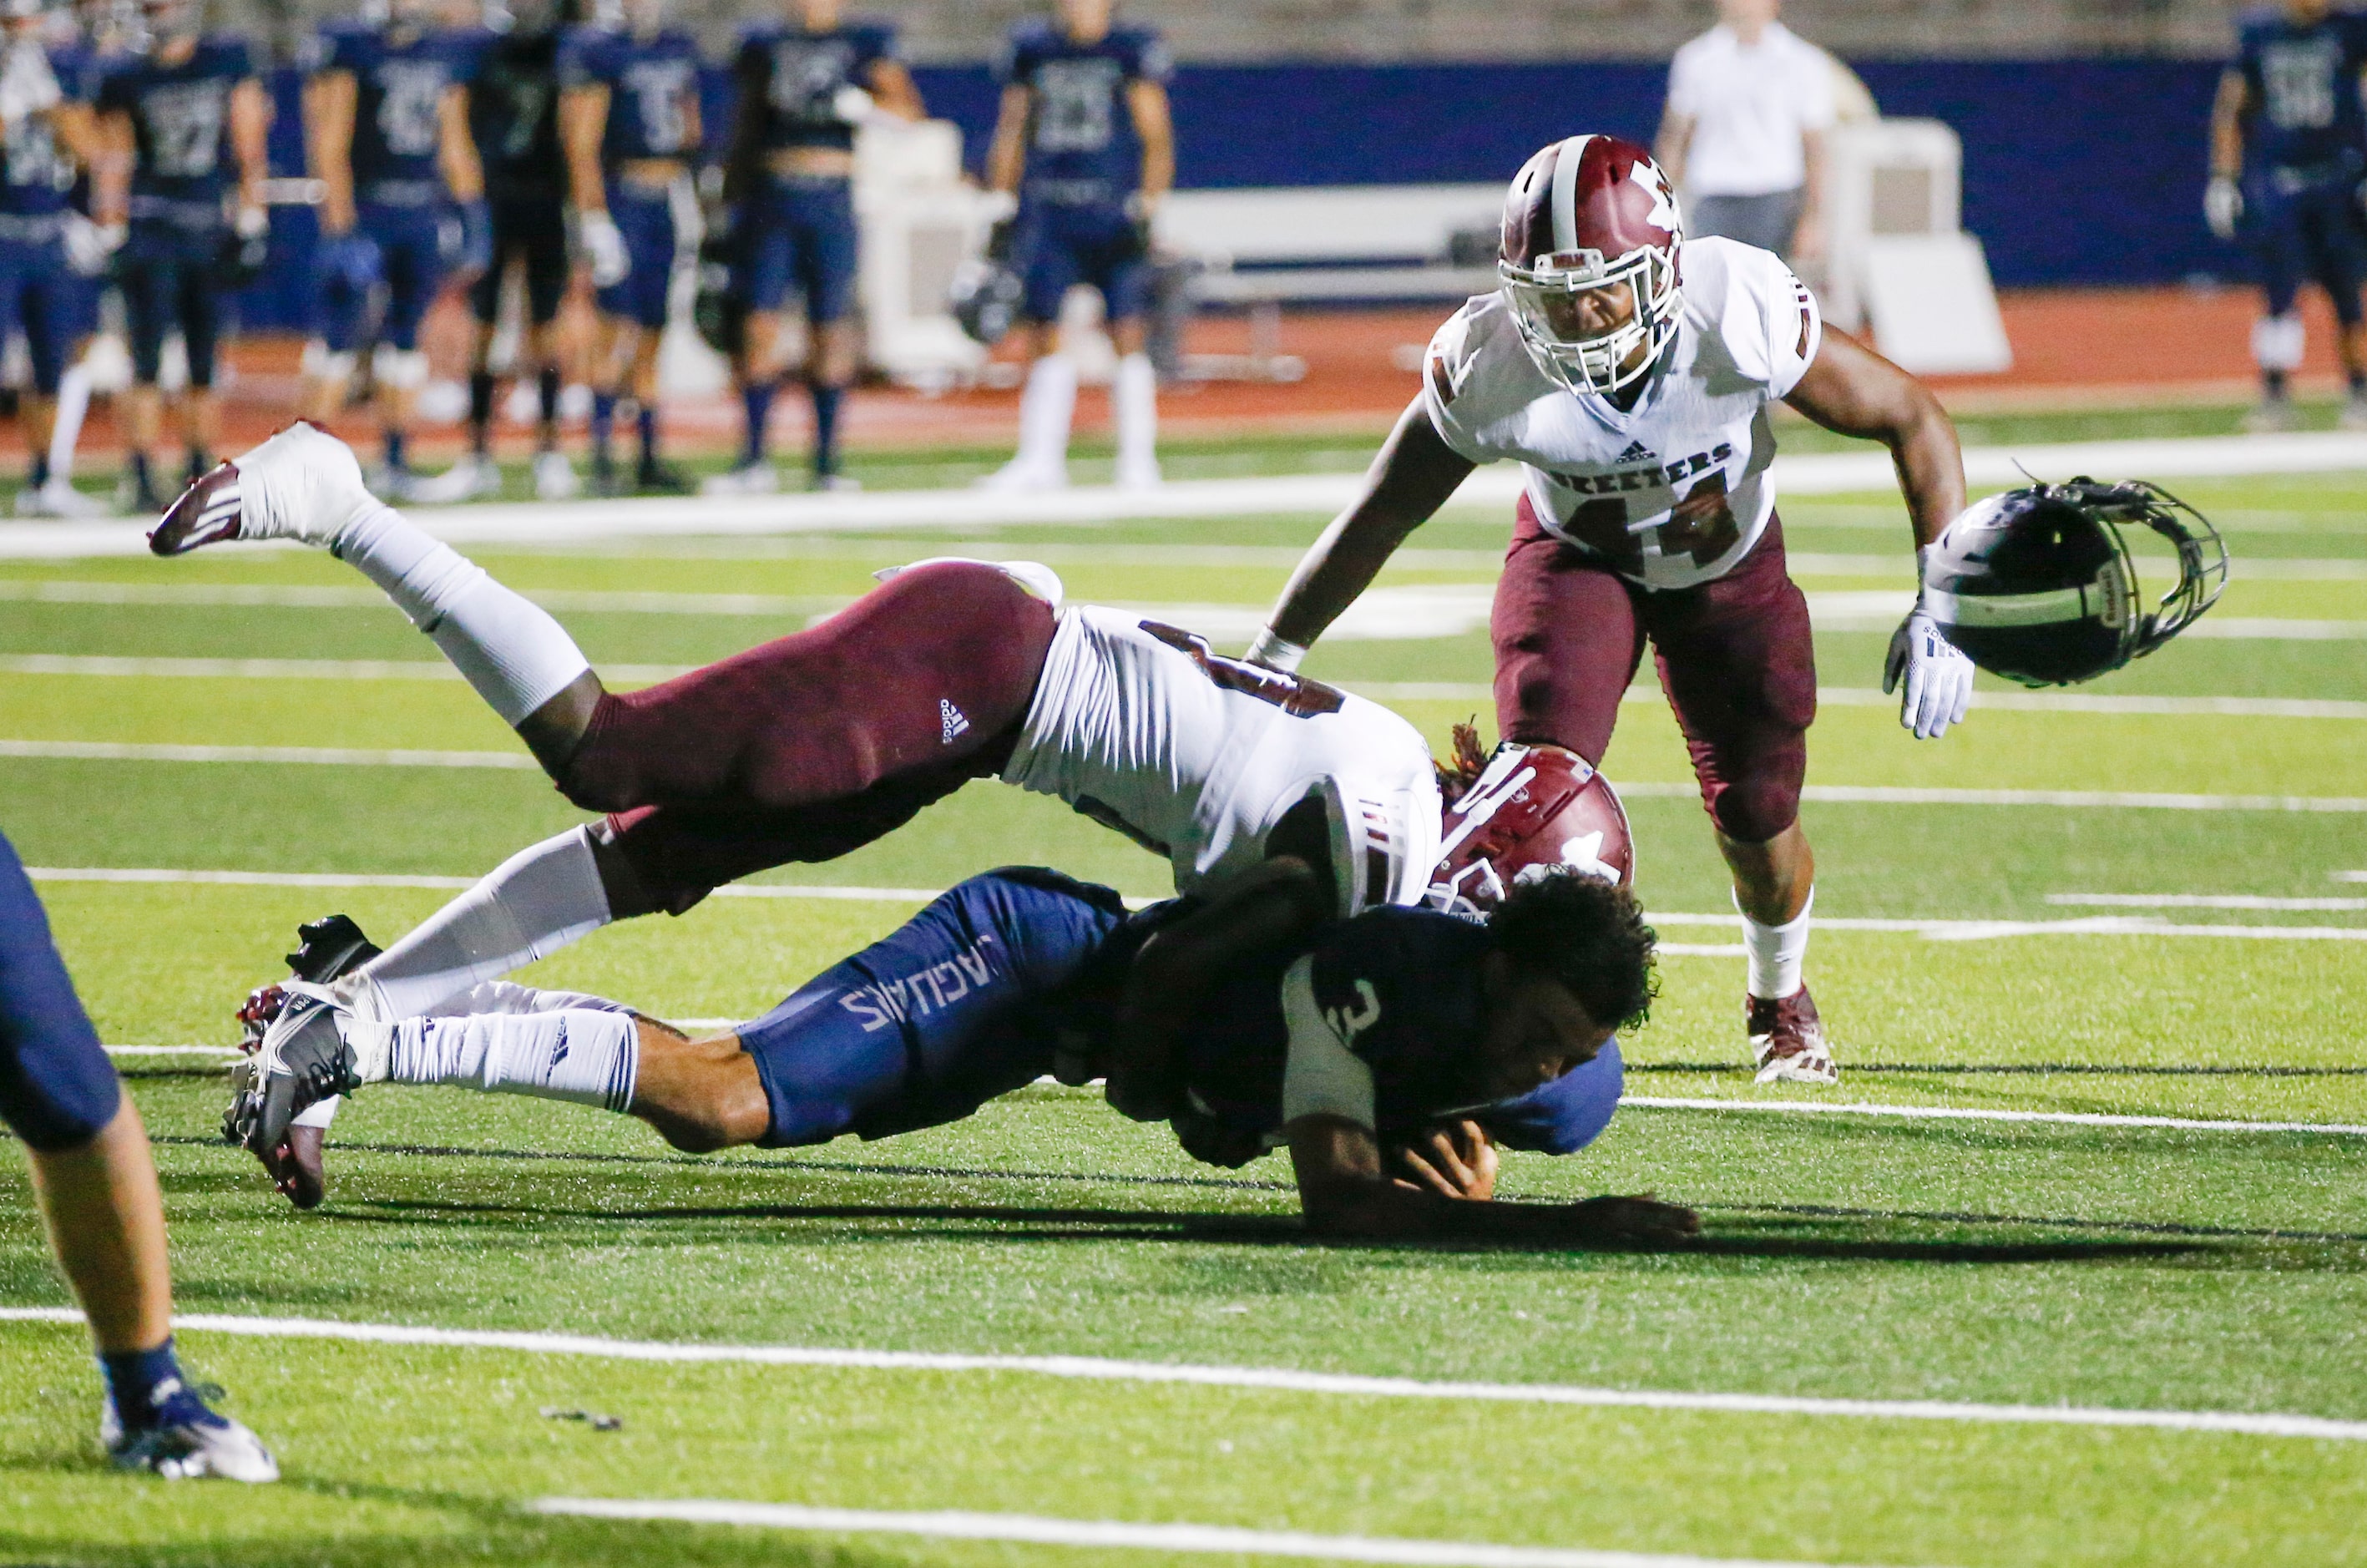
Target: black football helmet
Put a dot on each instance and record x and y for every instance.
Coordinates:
(987, 298)
(2038, 585)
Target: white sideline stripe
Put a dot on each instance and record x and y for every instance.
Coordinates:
(1093, 1369)
(1965, 1113)
(104, 664)
(1117, 1535)
(258, 596)
(1321, 494)
(1701, 949)
(1868, 697)
(2350, 876)
(113, 751)
(2201, 901)
(1935, 928)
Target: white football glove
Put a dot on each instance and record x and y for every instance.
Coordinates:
(28, 85)
(604, 245)
(1938, 677)
(850, 105)
(90, 247)
(2223, 205)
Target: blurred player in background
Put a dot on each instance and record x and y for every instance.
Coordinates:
(1633, 371)
(1743, 135)
(628, 114)
(386, 122)
(1084, 152)
(191, 116)
(802, 86)
(2288, 152)
(513, 122)
(47, 133)
(95, 1184)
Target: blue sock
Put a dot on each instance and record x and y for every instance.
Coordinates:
(394, 459)
(133, 1377)
(758, 399)
(604, 422)
(826, 401)
(140, 474)
(41, 476)
(648, 428)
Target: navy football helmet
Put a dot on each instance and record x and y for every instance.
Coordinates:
(2038, 585)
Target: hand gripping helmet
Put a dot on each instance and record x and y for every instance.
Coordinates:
(1593, 213)
(1529, 811)
(2038, 585)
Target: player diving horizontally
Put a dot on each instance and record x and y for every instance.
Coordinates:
(1405, 1027)
(1265, 792)
(1631, 371)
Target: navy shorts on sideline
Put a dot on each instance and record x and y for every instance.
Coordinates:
(532, 233)
(168, 273)
(416, 247)
(57, 1088)
(800, 234)
(2309, 233)
(646, 220)
(930, 1023)
(40, 298)
(1060, 246)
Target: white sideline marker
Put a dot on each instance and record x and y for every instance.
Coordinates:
(1278, 1380)
(2202, 901)
(1117, 1535)
(1965, 1113)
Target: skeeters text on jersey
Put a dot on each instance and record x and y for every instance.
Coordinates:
(1674, 492)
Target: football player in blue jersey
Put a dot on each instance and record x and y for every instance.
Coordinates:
(96, 1188)
(2288, 154)
(47, 135)
(189, 119)
(1401, 1029)
(1084, 152)
(629, 115)
(79, 39)
(386, 120)
(513, 122)
(801, 85)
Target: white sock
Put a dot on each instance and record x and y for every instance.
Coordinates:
(1777, 951)
(1137, 396)
(509, 649)
(536, 903)
(587, 1056)
(1045, 411)
(73, 404)
(2280, 343)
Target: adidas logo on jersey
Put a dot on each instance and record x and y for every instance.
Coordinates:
(951, 723)
(1636, 453)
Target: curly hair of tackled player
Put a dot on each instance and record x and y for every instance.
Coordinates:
(1585, 932)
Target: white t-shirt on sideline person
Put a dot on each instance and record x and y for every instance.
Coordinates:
(1750, 107)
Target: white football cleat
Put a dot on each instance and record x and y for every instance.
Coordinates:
(59, 499)
(1788, 1040)
(747, 479)
(1140, 476)
(1022, 477)
(304, 484)
(554, 477)
(187, 1441)
(472, 479)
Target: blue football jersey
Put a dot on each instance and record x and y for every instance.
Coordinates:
(1081, 136)
(37, 179)
(1411, 979)
(2304, 86)
(401, 76)
(653, 88)
(788, 77)
(180, 122)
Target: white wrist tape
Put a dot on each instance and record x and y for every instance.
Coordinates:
(1276, 652)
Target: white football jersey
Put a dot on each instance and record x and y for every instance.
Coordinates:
(1196, 758)
(1674, 492)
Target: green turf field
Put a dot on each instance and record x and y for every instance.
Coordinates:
(2178, 1269)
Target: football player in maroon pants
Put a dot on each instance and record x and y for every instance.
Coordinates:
(1632, 372)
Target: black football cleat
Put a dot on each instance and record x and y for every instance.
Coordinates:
(662, 479)
(304, 1060)
(329, 949)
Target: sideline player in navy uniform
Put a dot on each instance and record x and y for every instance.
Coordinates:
(1085, 149)
(513, 121)
(1405, 1029)
(628, 114)
(46, 134)
(97, 1187)
(2288, 154)
(189, 117)
(386, 120)
(801, 85)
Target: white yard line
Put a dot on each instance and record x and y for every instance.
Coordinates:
(2202, 901)
(306, 596)
(1965, 1113)
(326, 756)
(1869, 697)
(172, 668)
(1318, 494)
(1960, 930)
(1092, 1368)
(1115, 1535)
(369, 879)
(172, 1051)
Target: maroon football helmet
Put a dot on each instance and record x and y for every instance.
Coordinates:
(1587, 214)
(1531, 811)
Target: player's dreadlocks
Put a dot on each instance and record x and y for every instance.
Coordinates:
(1586, 934)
